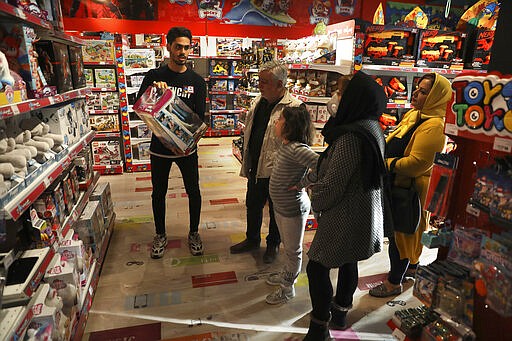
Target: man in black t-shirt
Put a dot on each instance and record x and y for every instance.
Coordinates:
(191, 88)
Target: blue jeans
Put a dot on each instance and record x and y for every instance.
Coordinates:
(160, 169)
(255, 199)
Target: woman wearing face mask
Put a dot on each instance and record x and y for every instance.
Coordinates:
(417, 138)
(347, 198)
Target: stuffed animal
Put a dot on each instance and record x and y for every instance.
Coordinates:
(5, 75)
(41, 132)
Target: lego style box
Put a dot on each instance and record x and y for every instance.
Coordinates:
(53, 58)
(394, 46)
(440, 49)
(99, 51)
(170, 119)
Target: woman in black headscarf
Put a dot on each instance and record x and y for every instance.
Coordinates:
(348, 200)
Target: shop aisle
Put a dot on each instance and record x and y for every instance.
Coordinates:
(217, 296)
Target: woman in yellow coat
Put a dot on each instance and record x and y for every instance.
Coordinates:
(415, 141)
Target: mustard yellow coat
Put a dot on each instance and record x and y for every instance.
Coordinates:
(419, 156)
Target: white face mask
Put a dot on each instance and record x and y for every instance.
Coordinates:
(332, 105)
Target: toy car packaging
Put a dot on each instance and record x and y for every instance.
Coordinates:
(170, 119)
(482, 50)
(441, 49)
(394, 46)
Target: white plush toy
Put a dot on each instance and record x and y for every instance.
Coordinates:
(5, 74)
(41, 132)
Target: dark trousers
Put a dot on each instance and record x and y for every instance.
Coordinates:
(398, 266)
(321, 291)
(160, 169)
(255, 199)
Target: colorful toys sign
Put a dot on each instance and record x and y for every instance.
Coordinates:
(482, 109)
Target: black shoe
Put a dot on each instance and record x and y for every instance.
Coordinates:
(244, 246)
(318, 331)
(270, 254)
(338, 316)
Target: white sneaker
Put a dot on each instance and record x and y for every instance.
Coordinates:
(195, 245)
(281, 295)
(275, 278)
(159, 244)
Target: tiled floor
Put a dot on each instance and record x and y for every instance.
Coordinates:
(218, 296)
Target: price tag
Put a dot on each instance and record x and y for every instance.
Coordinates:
(15, 110)
(398, 334)
(52, 100)
(451, 129)
(47, 183)
(502, 145)
(473, 210)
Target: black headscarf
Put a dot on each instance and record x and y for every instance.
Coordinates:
(363, 99)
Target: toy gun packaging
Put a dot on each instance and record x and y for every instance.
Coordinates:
(440, 49)
(394, 46)
(482, 50)
(170, 119)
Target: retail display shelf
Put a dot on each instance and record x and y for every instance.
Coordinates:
(140, 162)
(249, 93)
(133, 71)
(134, 123)
(321, 67)
(223, 77)
(103, 89)
(236, 111)
(398, 106)
(141, 139)
(132, 90)
(108, 134)
(102, 112)
(225, 57)
(103, 63)
(108, 169)
(32, 104)
(62, 37)
(7, 11)
(237, 153)
(140, 166)
(20, 293)
(312, 99)
(213, 92)
(417, 69)
(222, 132)
(14, 322)
(77, 210)
(17, 205)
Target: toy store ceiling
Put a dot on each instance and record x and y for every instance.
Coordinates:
(270, 19)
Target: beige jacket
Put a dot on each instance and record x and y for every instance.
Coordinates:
(271, 142)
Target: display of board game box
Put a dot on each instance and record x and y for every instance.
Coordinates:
(105, 78)
(99, 51)
(139, 59)
(170, 119)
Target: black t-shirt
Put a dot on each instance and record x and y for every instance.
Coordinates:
(188, 86)
(259, 127)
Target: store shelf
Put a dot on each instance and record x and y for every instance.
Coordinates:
(222, 132)
(223, 77)
(140, 166)
(214, 92)
(249, 93)
(15, 207)
(103, 63)
(108, 134)
(224, 57)
(417, 69)
(129, 72)
(77, 210)
(11, 12)
(33, 104)
(312, 99)
(14, 322)
(108, 169)
(321, 67)
(237, 111)
(103, 89)
(102, 112)
(398, 106)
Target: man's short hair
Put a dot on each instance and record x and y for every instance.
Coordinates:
(176, 32)
(277, 69)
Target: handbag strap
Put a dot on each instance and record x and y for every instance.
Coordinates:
(392, 168)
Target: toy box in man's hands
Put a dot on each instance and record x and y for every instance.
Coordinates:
(482, 50)
(441, 49)
(170, 119)
(77, 66)
(53, 58)
(394, 87)
(394, 46)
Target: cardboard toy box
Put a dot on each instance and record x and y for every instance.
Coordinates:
(218, 102)
(107, 152)
(139, 59)
(53, 58)
(105, 78)
(103, 195)
(140, 150)
(60, 121)
(224, 121)
(481, 55)
(440, 49)
(394, 46)
(104, 123)
(22, 58)
(89, 225)
(313, 111)
(395, 88)
(77, 67)
(170, 119)
(99, 51)
(89, 77)
(140, 131)
(219, 67)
